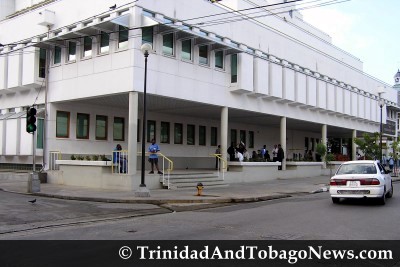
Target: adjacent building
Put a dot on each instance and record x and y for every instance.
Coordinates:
(220, 72)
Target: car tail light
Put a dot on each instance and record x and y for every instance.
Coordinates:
(338, 182)
(372, 181)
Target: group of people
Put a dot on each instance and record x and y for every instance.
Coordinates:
(120, 158)
(239, 152)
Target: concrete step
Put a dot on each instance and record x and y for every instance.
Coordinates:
(191, 179)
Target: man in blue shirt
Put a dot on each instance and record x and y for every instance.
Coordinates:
(153, 157)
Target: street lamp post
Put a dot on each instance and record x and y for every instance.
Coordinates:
(143, 191)
(381, 103)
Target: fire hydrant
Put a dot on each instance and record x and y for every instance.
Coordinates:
(199, 189)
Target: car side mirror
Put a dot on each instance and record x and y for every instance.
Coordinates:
(388, 171)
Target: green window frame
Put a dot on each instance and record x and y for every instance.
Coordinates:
(151, 130)
(191, 134)
(62, 124)
(203, 54)
(219, 59)
(164, 138)
(87, 46)
(57, 55)
(71, 51)
(214, 136)
(243, 136)
(119, 129)
(104, 42)
(234, 136)
(202, 135)
(251, 139)
(39, 132)
(101, 127)
(178, 133)
(147, 35)
(123, 37)
(168, 44)
(186, 53)
(234, 67)
(42, 63)
(82, 126)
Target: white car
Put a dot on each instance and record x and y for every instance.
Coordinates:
(361, 179)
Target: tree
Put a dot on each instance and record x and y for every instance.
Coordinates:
(369, 145)
(327, 157)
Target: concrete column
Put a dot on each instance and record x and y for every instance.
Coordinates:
(132, 133)
(324, 140)
(224, 132)
(283, 141)
(354, 146)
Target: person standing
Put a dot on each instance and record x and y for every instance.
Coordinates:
(275, 153)
(153, 157)
(280, 155)
(231, 152)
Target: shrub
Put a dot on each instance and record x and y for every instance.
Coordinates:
(95, 157)
(73, 157)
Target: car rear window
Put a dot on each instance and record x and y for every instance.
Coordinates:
(359, 168)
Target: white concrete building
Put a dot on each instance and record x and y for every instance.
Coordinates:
(214, 77)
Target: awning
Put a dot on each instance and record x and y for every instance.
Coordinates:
(89, 28)
(184, 31)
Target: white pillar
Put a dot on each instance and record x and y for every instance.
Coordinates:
(224, 132)
(132, 133)
(283, 141)
(324, 140)
(354, 146)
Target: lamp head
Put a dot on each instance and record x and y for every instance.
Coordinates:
(146, 48)
(381, 102)
(381, 90)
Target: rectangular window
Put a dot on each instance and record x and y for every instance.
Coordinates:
(178, 133)
(234, 137)
(187, 50)
(203, 54)
(202, 135)
(39, 140)
(190, 134)
(147, 35)
(104, 42)
(119, 129)
(243, 136)
(42, 63)
(234, 66)
(151, 130)
(219, 59)
(71, 51)
(101, 127)
(87, 46)
(251, 139)
(214, 136)
(123, 36)
(57, 55)
(62, 124)
(164, 138)
(82, 126)
(168, 44)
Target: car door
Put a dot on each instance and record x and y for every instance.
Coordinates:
(386, 176)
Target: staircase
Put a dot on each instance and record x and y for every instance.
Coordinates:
(190, 179)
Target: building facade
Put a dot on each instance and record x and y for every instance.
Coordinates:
(219, 73)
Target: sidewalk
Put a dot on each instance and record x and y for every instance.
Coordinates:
(233, 193)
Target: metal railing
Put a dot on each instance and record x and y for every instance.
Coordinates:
(119, 161)
(166, 171)
(221, 169)
(53, 156)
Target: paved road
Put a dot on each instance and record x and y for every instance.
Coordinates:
(301, 217)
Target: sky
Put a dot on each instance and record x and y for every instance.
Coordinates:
(367, 29)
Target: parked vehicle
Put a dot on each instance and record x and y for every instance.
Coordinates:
(361, 179)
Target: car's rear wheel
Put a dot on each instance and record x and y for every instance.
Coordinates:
(335, 200)
(382, 199)
(390, 193)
